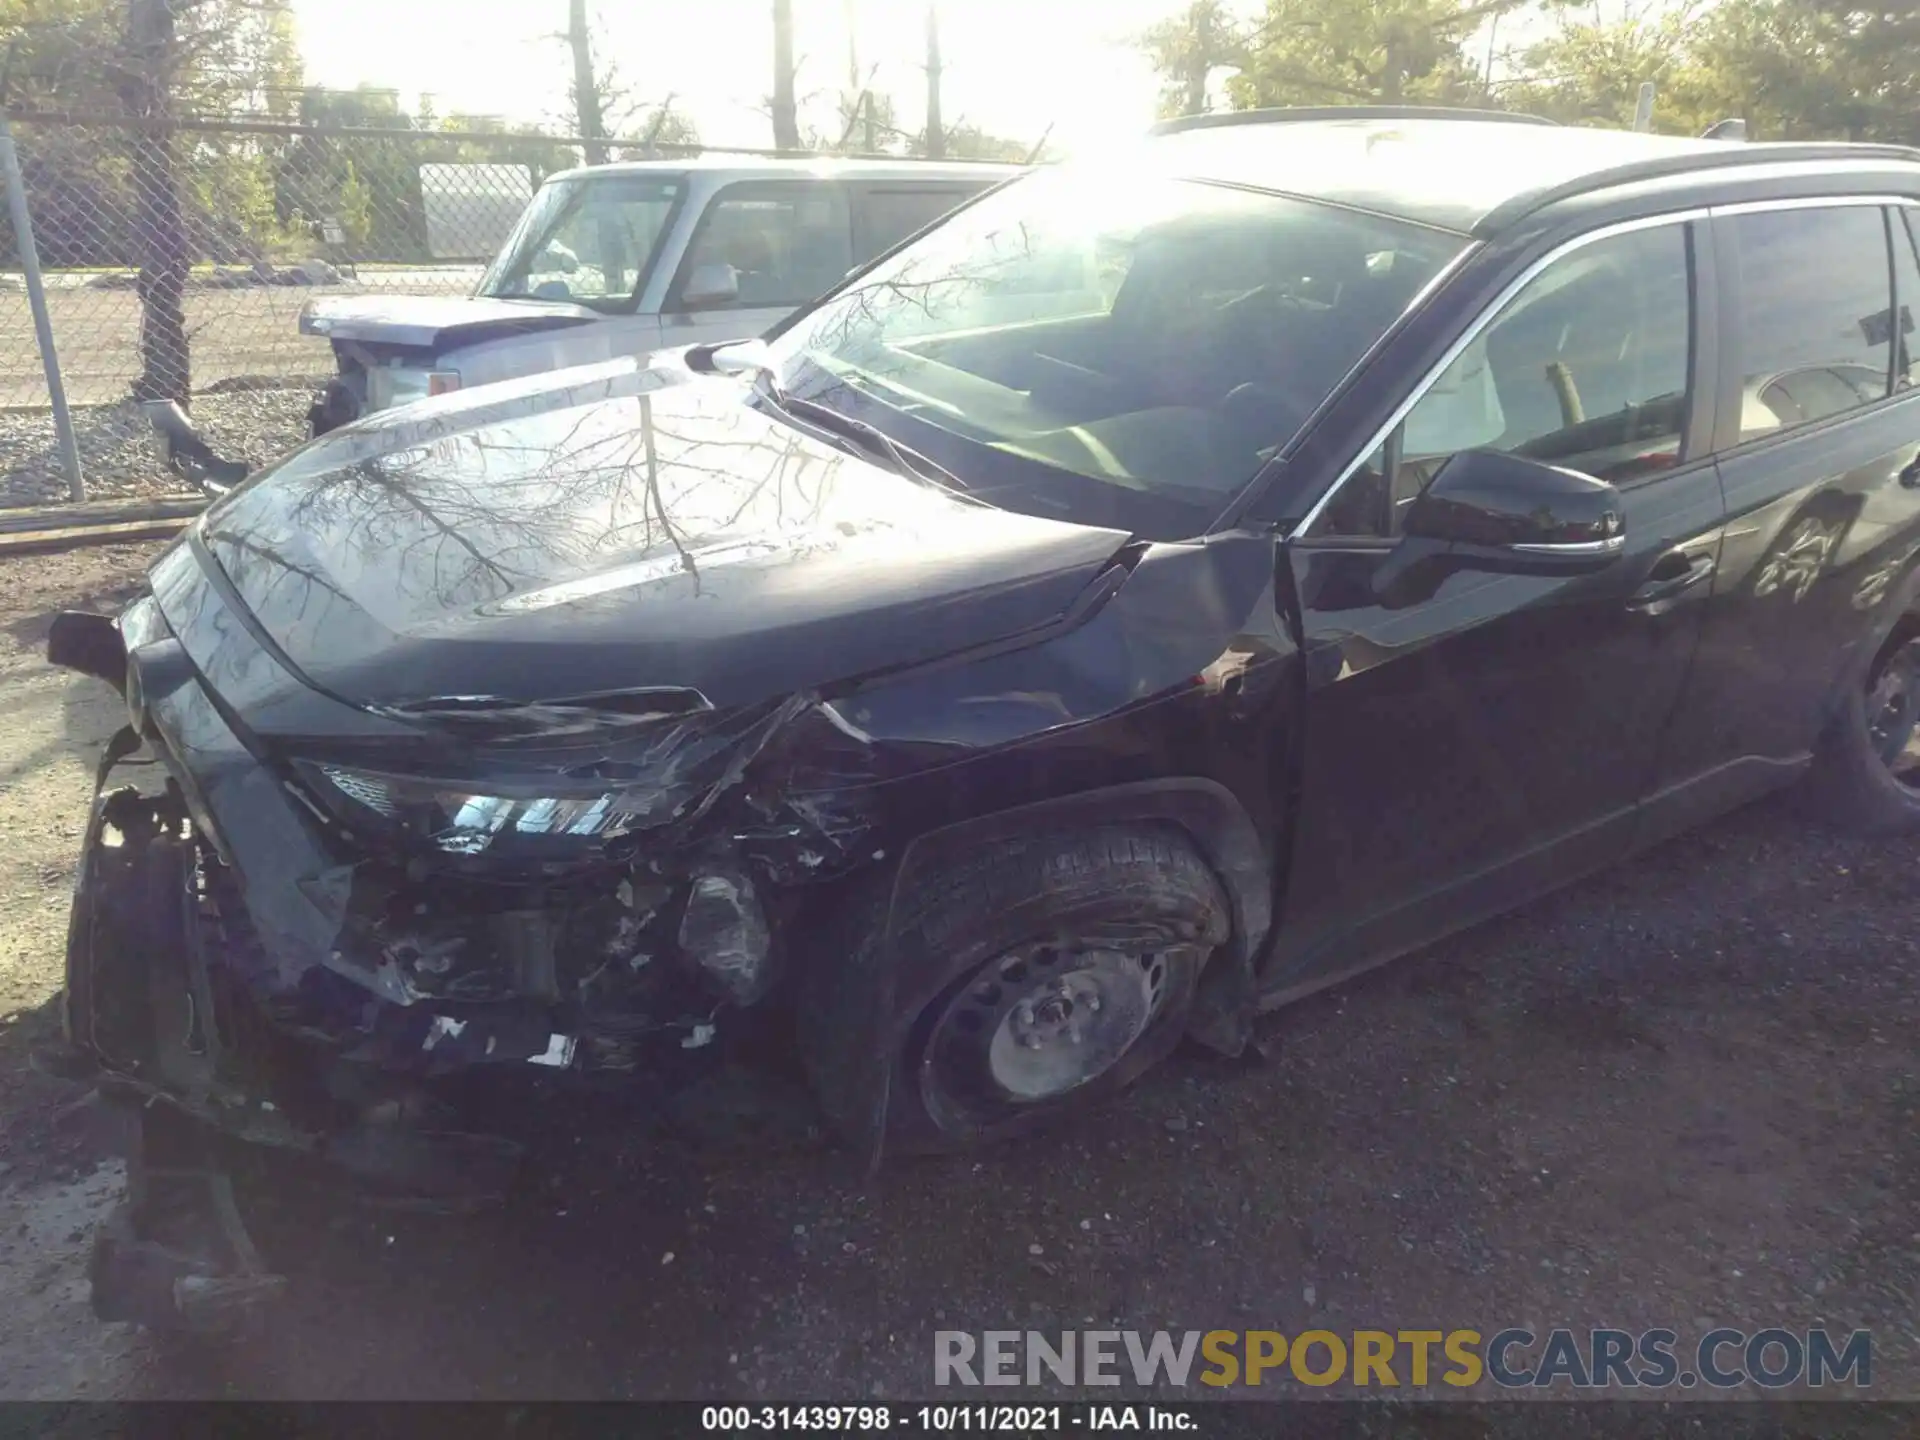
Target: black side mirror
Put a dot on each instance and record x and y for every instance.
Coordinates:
(1487, 510)
(1488, 499)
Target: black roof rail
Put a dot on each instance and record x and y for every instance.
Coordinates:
(1288, 114)
(1659, 167)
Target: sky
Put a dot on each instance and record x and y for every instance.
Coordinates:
(1013, 67)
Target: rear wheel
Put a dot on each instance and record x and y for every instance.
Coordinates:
(1038, 980)
(1866, 775)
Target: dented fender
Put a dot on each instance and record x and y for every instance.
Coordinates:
(1174, 699)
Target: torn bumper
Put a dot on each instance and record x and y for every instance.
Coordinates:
(232, 960)
(252, 998)
(164, 1012)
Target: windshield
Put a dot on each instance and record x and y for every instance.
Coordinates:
(1112, 348)
(590, 240)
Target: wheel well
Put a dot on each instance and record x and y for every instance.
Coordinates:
(843, 985)
(1904, 629)
(1208, 814)
(1901, 617)
(1212, 818)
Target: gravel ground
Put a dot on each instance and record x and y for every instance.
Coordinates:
(1681, 1094)
(250, 331)
(118, 451)
(239, 336)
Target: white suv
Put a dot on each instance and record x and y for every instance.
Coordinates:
(624, 259)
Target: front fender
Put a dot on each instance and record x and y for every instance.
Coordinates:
(1172, 700)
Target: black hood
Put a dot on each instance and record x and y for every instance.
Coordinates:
(571, 537)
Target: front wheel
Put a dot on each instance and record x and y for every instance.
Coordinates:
(341, 402)
(1037, 980)
(1866, 775)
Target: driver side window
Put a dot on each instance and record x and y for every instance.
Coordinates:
(784, 241)
(1585, 368)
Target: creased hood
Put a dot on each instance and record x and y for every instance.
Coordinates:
(434, 322)
(615, 531)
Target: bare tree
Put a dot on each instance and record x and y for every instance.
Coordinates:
(586, 85)
(786, 116)
(606, 105)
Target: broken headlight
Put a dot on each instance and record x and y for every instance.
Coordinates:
(599, 775)
(470, 818)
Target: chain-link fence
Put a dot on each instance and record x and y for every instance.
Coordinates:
(176, 262)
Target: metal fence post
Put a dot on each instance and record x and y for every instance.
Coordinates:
(37, 301)
(1643, 109)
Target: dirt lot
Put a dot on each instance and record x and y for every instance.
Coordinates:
(1683, 1094)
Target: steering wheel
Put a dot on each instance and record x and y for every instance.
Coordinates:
(1269, 402)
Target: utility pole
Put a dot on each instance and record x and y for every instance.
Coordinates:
(786, 119)
(857, 104)
(36, 287)
(936, 127)
(849, 10)
(586, 90)
(1643, 109)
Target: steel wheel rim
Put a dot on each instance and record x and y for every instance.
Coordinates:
(1041, 1022)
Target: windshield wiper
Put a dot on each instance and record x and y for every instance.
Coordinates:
(904, 458)
(750, 357)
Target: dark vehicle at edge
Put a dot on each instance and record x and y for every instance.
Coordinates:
(1154, 593)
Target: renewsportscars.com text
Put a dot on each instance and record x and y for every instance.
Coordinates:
(1599, 1359)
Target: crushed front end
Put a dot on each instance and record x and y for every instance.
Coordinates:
(339, 946)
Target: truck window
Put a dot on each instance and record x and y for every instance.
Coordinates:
(787, 241)
(590, 240)
(886, 216)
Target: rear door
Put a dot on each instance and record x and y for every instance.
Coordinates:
(1819, 433)
(1473, 748)
(787, 241)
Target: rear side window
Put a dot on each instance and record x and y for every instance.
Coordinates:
(1816, 324)
(885, 217)
(786, 242)
(1906, 297)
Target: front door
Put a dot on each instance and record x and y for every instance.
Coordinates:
(785, 242)
(1489, 740)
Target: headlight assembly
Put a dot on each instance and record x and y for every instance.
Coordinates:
(469, 818)
(549, 785)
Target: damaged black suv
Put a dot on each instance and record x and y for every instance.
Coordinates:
(1163, 587)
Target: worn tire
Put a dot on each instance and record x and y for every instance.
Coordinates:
(1848, 785)
(1145, 880)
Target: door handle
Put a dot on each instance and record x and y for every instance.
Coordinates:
(1673, 575)
(1910, 474)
